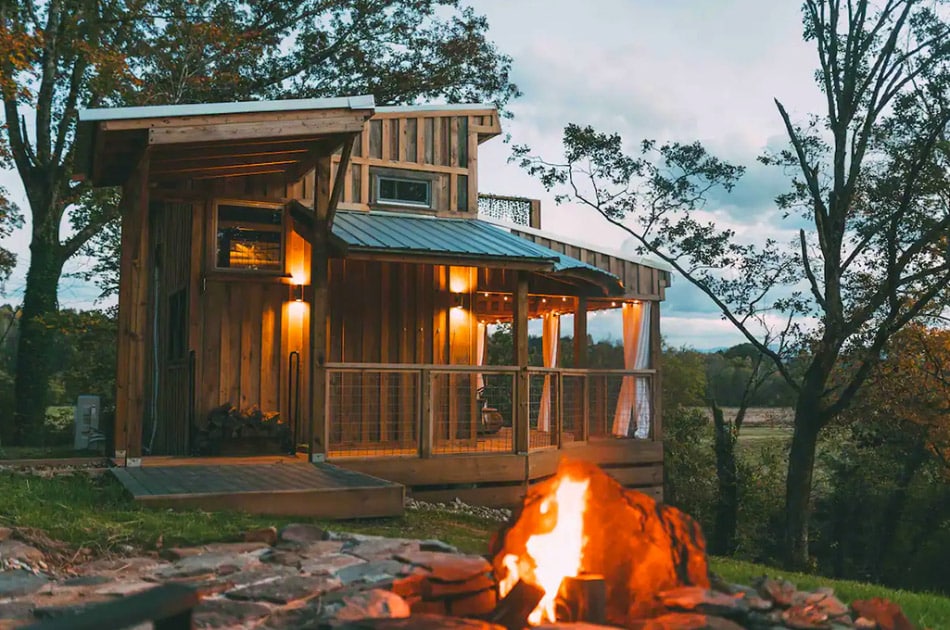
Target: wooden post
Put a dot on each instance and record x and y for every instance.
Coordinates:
(131, 376)
(520, 330)
(580, 333)
(425, 413)
(656, 424)
(319, 277)
(535, 218)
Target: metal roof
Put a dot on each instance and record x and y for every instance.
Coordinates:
(429, 107)
(240, 107)
(646, 261)
(420, 234)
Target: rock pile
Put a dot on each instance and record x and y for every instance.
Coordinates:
(304, 577)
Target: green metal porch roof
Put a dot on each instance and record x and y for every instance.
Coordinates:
(414, 234)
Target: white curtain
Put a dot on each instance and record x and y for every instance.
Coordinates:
(481, 340)
(550, 334)
(634, 400)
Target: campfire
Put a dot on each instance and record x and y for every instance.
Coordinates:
(587, 549)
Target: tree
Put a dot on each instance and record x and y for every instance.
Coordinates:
(869, 179)
(63, 55)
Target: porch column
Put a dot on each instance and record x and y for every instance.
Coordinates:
(520, 332)
(656, 423)
(319, 278)
(131, 375)
(580, 333)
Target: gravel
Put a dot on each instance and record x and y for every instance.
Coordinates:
(457, 506)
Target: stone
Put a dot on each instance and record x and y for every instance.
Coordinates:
(123, 588)
(475, 604)
(120, 566)
(266, 535)
(683, 621)
(703, 601)
(15, 550)
(85, 580)
(639, 546)
(435, 589)
(18, 582)
(329, 564)
(5, 533)
(370, 572)
(251, 548)
(885, 613)
(16, 610)
(382, 549)
(447, 567)
(224, 613)
(372, 604)
(415, 622)
(284, 590)
(302, 533)
(575, 626)
(436, 545)
(211, 563)
(781, 592)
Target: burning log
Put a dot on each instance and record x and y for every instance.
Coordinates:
(513, 610)
(583, 521)
(583, 598)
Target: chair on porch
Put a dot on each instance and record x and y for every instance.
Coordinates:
(491, 419)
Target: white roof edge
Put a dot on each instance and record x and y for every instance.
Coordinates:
(209, 109)
(390, 109)
(640, 260)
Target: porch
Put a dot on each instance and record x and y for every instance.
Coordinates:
(286, 486)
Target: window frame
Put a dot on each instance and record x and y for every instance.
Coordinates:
(276, 206)
(428, 179)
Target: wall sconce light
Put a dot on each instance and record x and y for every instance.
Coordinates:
(457, 301)
(296, 292)
(613, 304)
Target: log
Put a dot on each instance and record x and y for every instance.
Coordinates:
(513, 610)
(583, 598)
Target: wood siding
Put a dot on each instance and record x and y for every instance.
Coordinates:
(440, 146)
(169, 390)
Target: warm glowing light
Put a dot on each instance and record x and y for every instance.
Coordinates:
(544, 300)
(613, 304)
(564, 299)
(556, 554)
(506, 298)
(485, 293)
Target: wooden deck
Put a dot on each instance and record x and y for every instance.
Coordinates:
(284, 487)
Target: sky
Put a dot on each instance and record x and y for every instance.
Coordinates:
(684, 70)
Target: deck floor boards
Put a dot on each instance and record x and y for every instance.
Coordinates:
(291, 488)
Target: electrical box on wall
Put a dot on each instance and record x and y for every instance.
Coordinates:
(87, 433)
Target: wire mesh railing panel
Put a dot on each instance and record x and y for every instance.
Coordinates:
(509, 209)
(471, 412)
(619, 405)
(573, 407)
(373, 412)
(543, 408)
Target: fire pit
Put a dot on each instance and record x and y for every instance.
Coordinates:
(595, 551)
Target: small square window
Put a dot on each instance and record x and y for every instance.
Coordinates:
(249, 237)
(403, 192)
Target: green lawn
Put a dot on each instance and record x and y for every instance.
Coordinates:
(95, 513)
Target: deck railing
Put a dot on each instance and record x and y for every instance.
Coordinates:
(518, 210)
(432, 410)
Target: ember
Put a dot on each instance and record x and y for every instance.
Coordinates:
(583, 522)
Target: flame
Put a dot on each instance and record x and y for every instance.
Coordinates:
(556, 554)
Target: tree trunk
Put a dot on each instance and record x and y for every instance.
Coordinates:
(723, 540)
(34, 358)
(801, 465)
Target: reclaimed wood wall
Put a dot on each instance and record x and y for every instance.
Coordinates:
(442, 145)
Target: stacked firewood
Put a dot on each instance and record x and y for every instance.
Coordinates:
(227, 423)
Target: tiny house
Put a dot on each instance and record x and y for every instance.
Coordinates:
(317, 279)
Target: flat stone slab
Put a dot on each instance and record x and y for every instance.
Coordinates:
(19, 582)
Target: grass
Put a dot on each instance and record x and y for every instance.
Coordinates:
(96, 513)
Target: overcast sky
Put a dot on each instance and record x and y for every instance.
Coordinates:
(685, 70)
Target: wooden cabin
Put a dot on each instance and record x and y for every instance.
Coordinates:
(315, 279)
